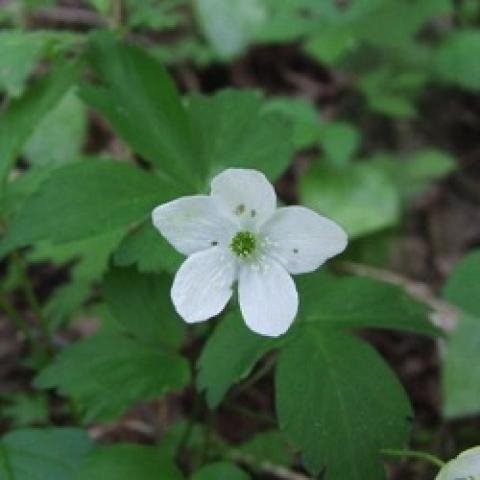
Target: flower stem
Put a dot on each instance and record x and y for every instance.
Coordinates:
(428, 457)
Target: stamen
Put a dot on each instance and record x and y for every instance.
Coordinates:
(240, 210)
(243, 244)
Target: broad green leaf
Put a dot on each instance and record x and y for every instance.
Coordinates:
(53, 454)
(356, 302)
(86, 199)
(228, 356)
(461, 382)
(22, 115)
(139, 99)
(454, 62)
(233, 129)
(128, 462)
(59, 137)
(302, 115)
(229, 26)
(107, 373)
(339, 141)
(269, 446)
(328, 401)
(141, 304)
(148, 250)
(361, 197)
(220, 471)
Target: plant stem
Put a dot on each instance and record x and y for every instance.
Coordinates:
(428, 457)
(15, 316)
(32, 299)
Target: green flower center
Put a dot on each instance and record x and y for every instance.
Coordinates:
(243, 244)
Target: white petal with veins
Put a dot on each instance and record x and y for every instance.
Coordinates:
(246, 196)
(301, 240)
(192, 224)
(203, 284)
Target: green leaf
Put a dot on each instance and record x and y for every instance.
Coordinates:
(107, 373)
(59, 137)
(139, 99)
(328, 401)
(128, 462)
(90, 257)
(454, 62)
(462, 287)
(24, 410)
(220, 471)
(145, 248)
(355, 302)
(233, 129)
(20, 51)
(303, 116)
(141, 304)
(22, 115)
(360, 198)
(269, 446)
(52, 454)
(229, 356)
(85, 199)
(461, 382)
(339, 140)
(229, 38)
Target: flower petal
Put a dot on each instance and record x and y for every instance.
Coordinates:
(268, 297)
(301, 240)
(465, 466)
(192, 224)
(203, 284)
(244, 195)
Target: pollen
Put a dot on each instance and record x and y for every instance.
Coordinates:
(243, 244)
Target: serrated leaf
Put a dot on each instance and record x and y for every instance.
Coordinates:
(461, 382)
(454, 62)
(229, 26)
(220, 471)
(23, 114)
(228, 356)
(128, 462)
(361, 198)
(303, 116)
(52, 454)
(233, 129)
(339, 141)
(145, 248)
(141, 304)
(106, 373)
(86, 199)
(269, 446)
(141, 102)
(355, 302)
(59, 137)
(328, 401)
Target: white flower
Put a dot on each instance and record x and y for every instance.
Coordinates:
(237, 234)
(465, 467)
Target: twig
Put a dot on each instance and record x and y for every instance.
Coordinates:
(68, 16)
(277, 471)
(445, 314)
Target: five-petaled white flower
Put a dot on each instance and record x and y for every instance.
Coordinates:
(237, 234)
(464, 467)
